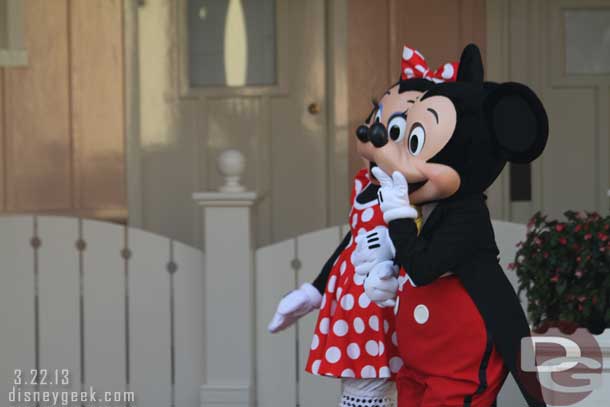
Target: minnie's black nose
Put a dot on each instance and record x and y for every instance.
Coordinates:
(362, 132)
(378, 135)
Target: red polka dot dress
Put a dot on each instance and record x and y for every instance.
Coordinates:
(354, 338)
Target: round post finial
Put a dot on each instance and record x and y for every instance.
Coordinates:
(231, 164)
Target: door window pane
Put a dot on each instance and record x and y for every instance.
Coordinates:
(587, 41)
(231, 42)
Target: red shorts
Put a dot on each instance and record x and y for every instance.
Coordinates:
(449, 357)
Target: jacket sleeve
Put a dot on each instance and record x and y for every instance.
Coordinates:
(322, 279)
(454, 241)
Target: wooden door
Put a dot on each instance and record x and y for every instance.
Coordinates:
(557, 48)
(277, 116)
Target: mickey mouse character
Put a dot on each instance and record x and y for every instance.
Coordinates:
(459, 322)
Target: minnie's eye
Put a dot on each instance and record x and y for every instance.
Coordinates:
(397, 127)
(378, 115)
(417, 138)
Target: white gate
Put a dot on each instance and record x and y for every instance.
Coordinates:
(119, 308)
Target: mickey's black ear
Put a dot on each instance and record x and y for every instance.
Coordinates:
(517, 121)
(471, 65)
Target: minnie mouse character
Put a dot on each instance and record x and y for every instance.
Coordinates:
(459, 322)
(355, 339)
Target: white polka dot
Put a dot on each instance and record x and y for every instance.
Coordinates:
(358, 186)
(367, 214)
(407, 53)
(364, 300)
(381, 347)
(359, 279)
(347, 302)
(421, 314)
(420, 68)
(333, 354)
(342, 267)
(368, 372)
(409, 72)
(447, 71)
(395, 339)
(374, 323)
(385, 372)
(358, 325)
(361, 231)
(386, 326)
(315, 342)
(372, 348)
(353, 351)
(324, 323)
(323, 303)
(333, 308)
(340, 328)
(395, 364)
(331, 284)
(348, 373)
(315, 366)
(339, 292)
(354, 220)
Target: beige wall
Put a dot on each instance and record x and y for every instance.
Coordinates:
(62, 121)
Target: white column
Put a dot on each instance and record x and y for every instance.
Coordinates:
(228, 290)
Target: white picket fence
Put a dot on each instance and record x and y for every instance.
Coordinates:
(123, 310)
(119, 308)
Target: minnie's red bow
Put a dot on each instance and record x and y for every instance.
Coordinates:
(414, 66)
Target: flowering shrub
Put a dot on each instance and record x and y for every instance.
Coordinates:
(564, 268)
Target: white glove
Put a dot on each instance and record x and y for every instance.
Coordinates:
(394, 196)
(372, 247)
(293, 306)
(381, 285)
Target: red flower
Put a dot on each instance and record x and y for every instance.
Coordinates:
(555, 278)
(578, 259)
(588, 236)
(582, 298)
(559, 227)
(577, 228)
(563, 241)
(578, 274)
(602, 236)
(512, 266)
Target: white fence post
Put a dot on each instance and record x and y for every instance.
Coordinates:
(228, 299)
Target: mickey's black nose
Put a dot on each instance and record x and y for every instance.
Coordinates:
(378, 135)
(362, 132)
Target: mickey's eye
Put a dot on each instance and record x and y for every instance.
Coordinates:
(417, 138)
(397, 127)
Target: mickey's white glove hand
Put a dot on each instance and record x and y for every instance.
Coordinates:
(381, 285)
(293, 306)
(372, 247)
(394, 196)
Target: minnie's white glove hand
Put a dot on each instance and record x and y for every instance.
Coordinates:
(394, 196)
(381, 285)
(293, 306)
(372, 247)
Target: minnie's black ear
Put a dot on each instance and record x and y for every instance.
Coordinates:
(517, 122)
(471, 65)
